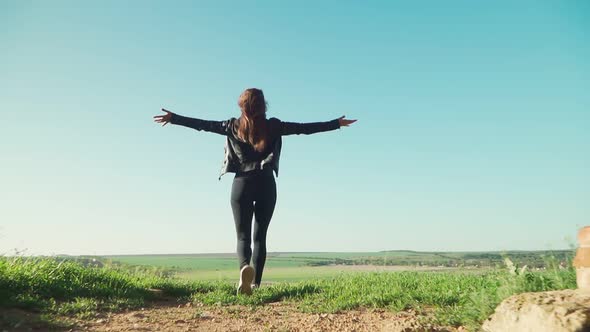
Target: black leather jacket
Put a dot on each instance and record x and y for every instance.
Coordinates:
(240, 156)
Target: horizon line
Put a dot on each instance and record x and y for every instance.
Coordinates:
(300, 252)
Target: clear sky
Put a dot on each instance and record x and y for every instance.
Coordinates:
(473, 131)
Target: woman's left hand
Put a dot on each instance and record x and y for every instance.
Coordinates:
(163, 119)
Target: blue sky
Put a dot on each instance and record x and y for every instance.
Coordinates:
(473, 131)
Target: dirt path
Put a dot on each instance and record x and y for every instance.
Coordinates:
(270, 317)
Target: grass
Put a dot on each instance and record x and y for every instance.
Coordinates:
(55, 287)
(454, 298)
(60, 287)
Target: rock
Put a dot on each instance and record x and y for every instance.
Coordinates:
(556, 311)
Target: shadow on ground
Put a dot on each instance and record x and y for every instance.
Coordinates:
(16, 320)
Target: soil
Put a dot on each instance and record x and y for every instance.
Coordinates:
(276, 317)
(279, 316)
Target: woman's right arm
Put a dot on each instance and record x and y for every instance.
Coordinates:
(218, 127)
(294, 128)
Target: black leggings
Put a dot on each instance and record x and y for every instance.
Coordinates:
(253, 193)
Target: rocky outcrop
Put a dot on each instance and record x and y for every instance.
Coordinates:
(556, 311)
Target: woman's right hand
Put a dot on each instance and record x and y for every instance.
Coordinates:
(345, 122)
(163, 119)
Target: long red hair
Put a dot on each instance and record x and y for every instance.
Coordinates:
(252, 123)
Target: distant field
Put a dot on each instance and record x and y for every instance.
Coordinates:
(297, 266)
(279, 267)
(229, 261)
(202, 262)
(292, 274)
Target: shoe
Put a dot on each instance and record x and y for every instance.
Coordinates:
(246, 277)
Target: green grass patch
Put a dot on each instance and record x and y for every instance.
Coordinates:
(454, 298)
(53, 286)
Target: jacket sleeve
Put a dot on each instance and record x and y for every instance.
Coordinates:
(218, 127)
(294, 128)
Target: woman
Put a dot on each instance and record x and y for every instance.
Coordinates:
(252, 151)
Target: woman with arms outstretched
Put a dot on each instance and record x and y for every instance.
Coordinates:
(252, 152)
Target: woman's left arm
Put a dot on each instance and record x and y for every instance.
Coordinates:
(218, 127)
